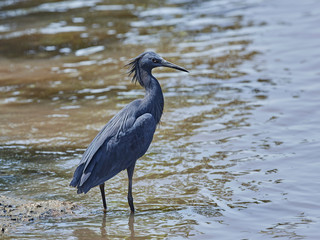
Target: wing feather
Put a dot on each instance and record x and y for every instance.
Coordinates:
(117, 124)
(117, 146)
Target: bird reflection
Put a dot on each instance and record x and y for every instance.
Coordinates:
(103, 230)
(86, 233)
(131, 225)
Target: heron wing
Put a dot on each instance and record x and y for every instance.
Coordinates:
(119, 153)
(124, 119)
(119, 123)
(116, 152)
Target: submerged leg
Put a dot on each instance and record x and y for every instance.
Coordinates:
(130, 198)
(103, 197)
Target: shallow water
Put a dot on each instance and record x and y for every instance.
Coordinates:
(237, 153)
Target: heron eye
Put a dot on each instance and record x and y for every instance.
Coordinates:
(155, 60)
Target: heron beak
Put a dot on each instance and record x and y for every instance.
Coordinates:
(171, 65)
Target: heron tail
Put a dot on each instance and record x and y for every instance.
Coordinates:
(77, 176)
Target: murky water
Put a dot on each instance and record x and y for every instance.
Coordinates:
(237, 152)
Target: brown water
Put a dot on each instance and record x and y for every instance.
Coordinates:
(237, 153)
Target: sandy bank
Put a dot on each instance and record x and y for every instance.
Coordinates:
(15, 212)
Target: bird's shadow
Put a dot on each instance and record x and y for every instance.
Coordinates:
(87, 233)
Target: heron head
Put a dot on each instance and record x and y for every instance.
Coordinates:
(147, 61)
(152, 60)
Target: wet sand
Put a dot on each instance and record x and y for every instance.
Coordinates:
(15, 212)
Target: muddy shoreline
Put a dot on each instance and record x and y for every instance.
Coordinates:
(15, 212)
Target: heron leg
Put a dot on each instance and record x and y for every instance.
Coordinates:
(103, 197)
(130, 198)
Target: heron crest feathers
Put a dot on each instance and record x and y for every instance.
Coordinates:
(135, 69)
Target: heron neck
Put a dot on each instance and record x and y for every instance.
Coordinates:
(154, 98)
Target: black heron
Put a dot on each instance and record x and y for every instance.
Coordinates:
(127, 136)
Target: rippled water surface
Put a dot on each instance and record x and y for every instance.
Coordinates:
(237, 153)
